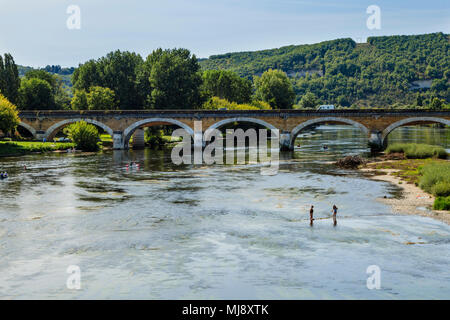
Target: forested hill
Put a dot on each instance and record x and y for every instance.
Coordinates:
(385, 71)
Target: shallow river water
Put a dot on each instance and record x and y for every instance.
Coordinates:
(215, 232)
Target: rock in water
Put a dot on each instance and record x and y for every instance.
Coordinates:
(351, 162)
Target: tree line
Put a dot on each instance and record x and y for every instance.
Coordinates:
(340, 72)
(172, 79)
(166, 79)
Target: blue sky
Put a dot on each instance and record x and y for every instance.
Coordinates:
(35, 32)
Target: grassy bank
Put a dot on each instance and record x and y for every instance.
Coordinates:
(431, 175)
(417, 150)
(435, 179)
(12, 148)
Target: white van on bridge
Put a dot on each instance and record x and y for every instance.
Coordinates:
(326, 107)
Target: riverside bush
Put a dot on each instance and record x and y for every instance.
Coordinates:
(417, 150)
(435, 178)
(216, 103)
(9, 116)
(441, 189)
(442, 203)
(84, 135)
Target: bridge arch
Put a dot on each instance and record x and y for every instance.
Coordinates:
(29, 128)
(128, 132)
(407, 121)
(51, 132)
(308, 123)
(221, 123)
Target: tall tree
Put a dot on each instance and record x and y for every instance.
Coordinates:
(436, 103)
(9, 78)
(79, 100)
(309, 101)
(100, 98)
(87, 75)
(275, 88)
(116, 71)
(226, 85)
(419, 100)
(60, 96)
(35, 94)
(43, 75)
(174, 79)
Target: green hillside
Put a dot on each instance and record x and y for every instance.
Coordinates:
(388, 71)
(65, 74)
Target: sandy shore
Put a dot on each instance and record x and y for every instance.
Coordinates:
(413, 201)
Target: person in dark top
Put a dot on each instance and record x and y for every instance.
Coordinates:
(334, 214)
(311, 213)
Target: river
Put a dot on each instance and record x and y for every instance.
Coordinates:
(215, 232)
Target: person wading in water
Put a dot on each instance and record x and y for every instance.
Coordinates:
(334, 214)
(311, 213)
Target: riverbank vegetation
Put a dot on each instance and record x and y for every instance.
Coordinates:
(9, 116)
(158, 137)
(435, 179)
(431, 175)
(14, 148)
(417, 150)
(85, 136)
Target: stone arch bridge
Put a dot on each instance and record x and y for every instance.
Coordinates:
(121, 125)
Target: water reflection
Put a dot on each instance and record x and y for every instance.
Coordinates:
(434, 134)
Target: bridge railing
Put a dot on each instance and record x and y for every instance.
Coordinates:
(209, 113)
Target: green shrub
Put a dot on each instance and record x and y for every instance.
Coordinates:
(396, 148)
(9, 116)
(154, 138)
(435, 178)
(216, 103)
(442, 203)
(84, 135)
(441, 189)
(417, 150)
